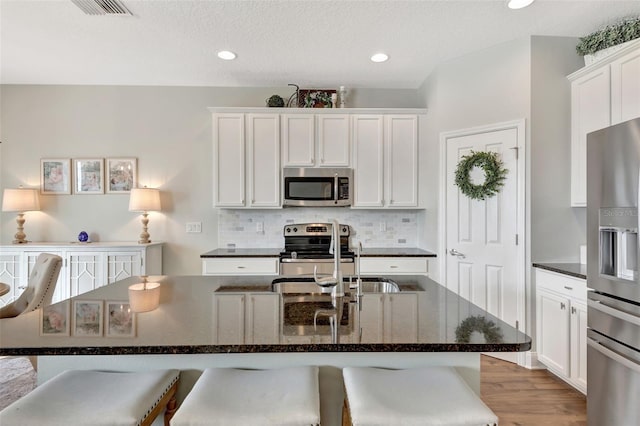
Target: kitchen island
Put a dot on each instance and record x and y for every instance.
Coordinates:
(430, 326)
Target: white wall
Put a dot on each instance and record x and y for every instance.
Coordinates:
(168, 129)
(557, 229)
(521, 79)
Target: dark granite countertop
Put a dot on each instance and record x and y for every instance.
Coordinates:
(577, 270)
(275, 252)
(433, 319)
(243, 252)
(396, 252)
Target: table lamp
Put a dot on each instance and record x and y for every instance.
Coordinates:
(144, 200)
(20, 200)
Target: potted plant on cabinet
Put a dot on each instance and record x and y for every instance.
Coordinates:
(607, 40)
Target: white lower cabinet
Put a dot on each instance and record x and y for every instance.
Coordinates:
(224, 266)
(389, 318)
(562, 326)
(245, 318)
(394, 265)
(85, 267)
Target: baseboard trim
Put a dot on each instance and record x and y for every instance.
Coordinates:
(530, 360)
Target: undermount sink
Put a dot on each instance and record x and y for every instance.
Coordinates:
(307, 285)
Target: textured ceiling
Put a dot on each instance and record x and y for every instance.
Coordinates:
(313, 43)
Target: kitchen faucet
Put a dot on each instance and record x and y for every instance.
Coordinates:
(334, 281)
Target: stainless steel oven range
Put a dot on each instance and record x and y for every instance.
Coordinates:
(306, 245)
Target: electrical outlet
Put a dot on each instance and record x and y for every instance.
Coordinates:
(194, 227)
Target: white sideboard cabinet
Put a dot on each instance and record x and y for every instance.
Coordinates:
(85, 266)
(561, 310)
(604, 93)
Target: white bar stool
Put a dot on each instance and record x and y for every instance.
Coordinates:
(229, 396)
(421, 396)
(80, 397)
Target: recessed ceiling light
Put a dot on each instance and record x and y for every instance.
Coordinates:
(519, 4)
(379, 57)
(226, 55)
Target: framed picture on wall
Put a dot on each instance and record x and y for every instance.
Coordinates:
(119, 320)
(87, 318)
(88, 176)
(54, 319)
(55, 176)
(121, 175)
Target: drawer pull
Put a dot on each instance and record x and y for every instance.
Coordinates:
(22, 287)
(393, 266)
(568, 288)
(241, 267)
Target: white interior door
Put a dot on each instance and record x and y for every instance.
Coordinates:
(482, 252)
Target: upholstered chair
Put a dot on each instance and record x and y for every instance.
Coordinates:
(40, 288)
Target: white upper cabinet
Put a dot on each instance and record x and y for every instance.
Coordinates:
(590, 110)
(368, 160)
(246, 160)
(263, 140)
(602, 94)
(252, 145)
(298, 140)
(310, 140)
(402, 160)
(625, 87)
(229, 160)
(385, 162)
(333, 140)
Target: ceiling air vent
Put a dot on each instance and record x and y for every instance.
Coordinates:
(102, 7)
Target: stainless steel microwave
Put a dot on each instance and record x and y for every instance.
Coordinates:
(321, 187)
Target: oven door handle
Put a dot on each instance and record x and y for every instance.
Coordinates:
(613, 355)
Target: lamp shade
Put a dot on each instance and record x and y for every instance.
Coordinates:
(20, 200)
(144, 297)
(144, 200)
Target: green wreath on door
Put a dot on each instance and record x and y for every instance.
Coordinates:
(494, 175)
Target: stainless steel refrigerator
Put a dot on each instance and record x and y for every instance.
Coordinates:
(613, 315)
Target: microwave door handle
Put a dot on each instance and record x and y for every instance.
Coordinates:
(335, 188)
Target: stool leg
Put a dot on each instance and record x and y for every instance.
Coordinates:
(346, 414)
(172, 406)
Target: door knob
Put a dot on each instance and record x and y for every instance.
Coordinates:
(456, 253)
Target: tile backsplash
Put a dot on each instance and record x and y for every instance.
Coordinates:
(263, 228)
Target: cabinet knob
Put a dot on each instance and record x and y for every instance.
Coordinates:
(322, 160)
(568, 288)
(573, 310)
(22, 287)
(562, 305)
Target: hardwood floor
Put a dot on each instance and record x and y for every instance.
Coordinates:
(521, 397)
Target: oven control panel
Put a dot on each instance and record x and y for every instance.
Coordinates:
(314, 229)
